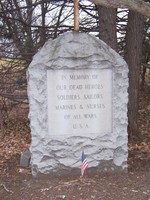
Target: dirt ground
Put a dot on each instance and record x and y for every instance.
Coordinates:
(130, 186)
(17, 183)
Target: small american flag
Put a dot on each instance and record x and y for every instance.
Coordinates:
(84, 164)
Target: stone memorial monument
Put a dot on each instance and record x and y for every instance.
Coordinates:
(77, 89)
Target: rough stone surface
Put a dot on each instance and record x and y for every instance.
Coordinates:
(50, 154)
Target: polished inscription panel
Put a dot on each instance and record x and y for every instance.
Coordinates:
(79, 101)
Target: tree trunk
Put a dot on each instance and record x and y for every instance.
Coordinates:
(107, 26)
(133, 55)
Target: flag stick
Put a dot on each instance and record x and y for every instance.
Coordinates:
(76, 15)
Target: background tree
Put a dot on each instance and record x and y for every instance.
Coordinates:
(107, 26)
(132, 53)
(31, 22)
(133, 56)
(139, 6)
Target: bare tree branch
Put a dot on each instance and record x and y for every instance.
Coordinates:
(135, 5)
